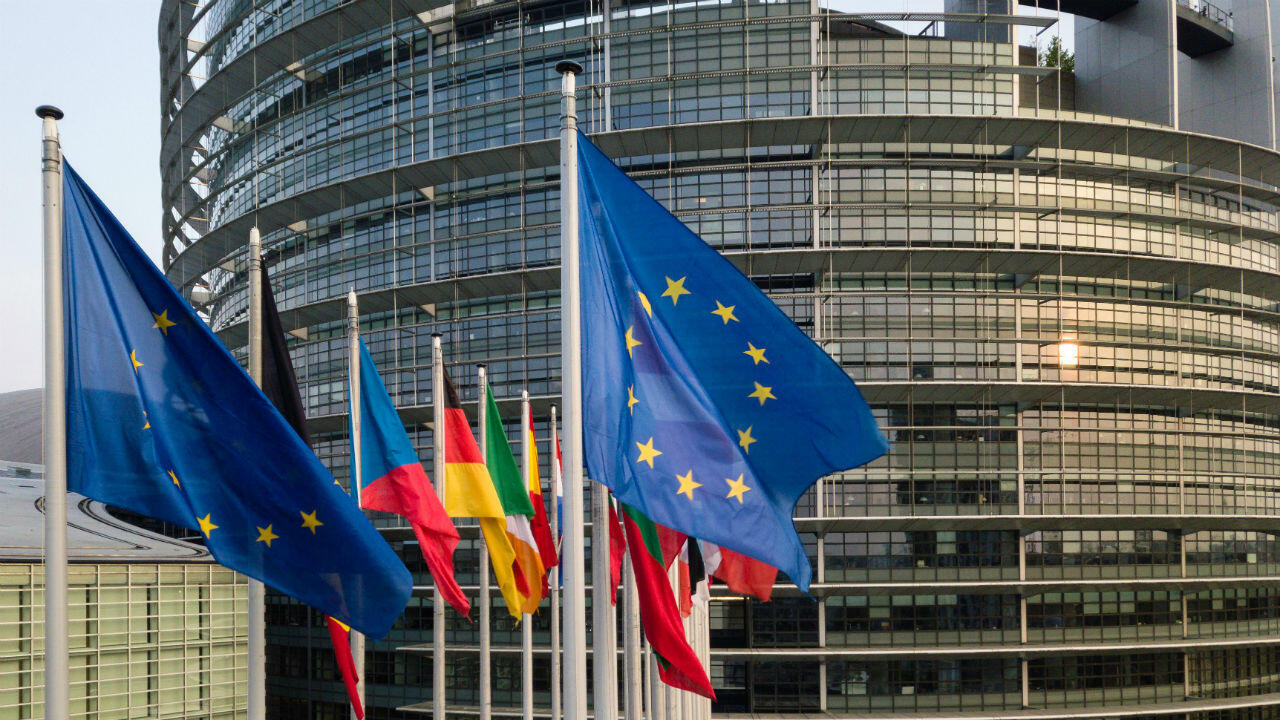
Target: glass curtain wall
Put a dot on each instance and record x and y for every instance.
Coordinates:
(1066, 324)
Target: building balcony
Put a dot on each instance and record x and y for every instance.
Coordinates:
(1203, 28)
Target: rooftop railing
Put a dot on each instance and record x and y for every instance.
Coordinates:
(1211, 12)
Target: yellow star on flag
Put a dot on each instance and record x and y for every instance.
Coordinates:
(762, 393)
(757, 354)
(647, 453)
(163, 323)
(631, 399)
(175, 479)
(644, 301)
(206, 525)
(725, 313)
(632, 342)
(745, 439)
(736, 488)
(147, 419)
(309, 521)
(687, 485)
(266, 536)
(675, 288)
(133, 358)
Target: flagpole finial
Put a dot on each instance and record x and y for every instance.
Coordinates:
(568, 66)
(481, 366)
(437, 335)
(50, 111)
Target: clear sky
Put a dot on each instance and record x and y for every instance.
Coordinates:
(98, 61)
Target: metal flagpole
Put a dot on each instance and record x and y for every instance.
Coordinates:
(604, 621)
(631, 641)
(438, 468)
(648, 683)
(658, 689)
(526, 623)
(704, 650)
(701, 645)
(257, 591)
(486, 668)
(56, 677)
(553, 582)
(357, 481)
(675, 703)
(575, 620)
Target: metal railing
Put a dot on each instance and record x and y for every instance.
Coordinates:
(1211, 12)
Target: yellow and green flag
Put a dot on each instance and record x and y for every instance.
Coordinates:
(515, 503)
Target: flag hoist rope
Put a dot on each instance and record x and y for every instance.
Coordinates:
(357, 480)
(57, 679)
(257, 689)
(438, 468)
(575, 616)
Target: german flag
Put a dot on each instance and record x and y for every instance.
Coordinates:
(469, 492)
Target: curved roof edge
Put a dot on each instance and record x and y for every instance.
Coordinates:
(94, 535)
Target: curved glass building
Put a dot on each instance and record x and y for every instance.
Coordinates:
(1059, 290)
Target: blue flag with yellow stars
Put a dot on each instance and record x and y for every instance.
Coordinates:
(162, 420)
(703, 404)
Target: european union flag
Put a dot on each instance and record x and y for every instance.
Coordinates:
(703, 404)
(162, 420)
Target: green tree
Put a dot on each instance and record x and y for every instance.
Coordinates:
(1057, 56)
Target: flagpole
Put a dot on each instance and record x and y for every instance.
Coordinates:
(357, 482)
(56, 675)
(658, 689)
(631, 641)
(438, 468)
(486, 668)
(648, 682)
(553, 581)
(702, 611)
(257, 690)
(575, 681)
(526, 624)
(604, 621)
(675, 703)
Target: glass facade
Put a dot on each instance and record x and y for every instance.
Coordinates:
(146, 640)
(155, 629)
(1066, 324)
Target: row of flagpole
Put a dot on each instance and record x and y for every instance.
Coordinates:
(643, 696)
(605, 643)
